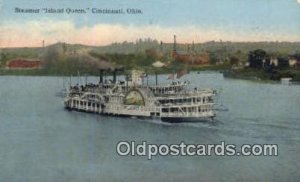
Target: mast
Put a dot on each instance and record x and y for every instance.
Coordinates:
(147, 77)
(100, 76)
(70, 80)
(115, 75)
(78, 77)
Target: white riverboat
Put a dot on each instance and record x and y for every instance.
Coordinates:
(173, 102)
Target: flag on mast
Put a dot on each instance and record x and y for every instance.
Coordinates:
(171, 76)
(181, 73)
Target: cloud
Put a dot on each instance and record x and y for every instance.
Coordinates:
(32, 33)
(298, 1)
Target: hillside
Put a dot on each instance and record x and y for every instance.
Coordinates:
(63, 58)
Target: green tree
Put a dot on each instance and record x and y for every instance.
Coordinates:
(256, 58)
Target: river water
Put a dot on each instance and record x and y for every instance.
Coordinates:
(40, 141)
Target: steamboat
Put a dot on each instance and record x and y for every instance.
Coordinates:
(173, 102)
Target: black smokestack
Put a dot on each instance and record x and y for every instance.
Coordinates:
(115, 76)
(101, 76)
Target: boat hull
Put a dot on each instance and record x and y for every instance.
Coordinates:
(186, 119)
(163, 119)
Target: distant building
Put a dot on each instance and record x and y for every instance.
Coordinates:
(293, 62)
(274, 61)
(22, 63)
(189, 57)
(238, 66)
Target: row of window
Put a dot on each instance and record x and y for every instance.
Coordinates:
(189, 100)
(83, 103)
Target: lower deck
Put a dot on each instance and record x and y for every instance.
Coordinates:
(192, 113)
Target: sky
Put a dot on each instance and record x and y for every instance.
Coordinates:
(193, 20)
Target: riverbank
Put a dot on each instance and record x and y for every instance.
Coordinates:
(245, 74)
(148, 69)
(258, 74)
(24, 72)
